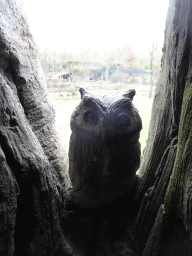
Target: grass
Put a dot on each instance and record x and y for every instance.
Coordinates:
(64, 108)
(67, 102)
(144, 108)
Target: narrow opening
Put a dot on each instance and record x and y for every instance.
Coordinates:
(104, 46)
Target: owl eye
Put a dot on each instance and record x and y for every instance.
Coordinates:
(90, 117)
(122, 121)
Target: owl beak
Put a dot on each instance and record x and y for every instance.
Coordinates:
(105, 126)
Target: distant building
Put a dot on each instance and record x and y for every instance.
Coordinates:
(95, 74)
(128, 74)
(127, 70)
(59, 76)
(63, 75)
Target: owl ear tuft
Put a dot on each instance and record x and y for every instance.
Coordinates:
(83, 92)
(130, 94)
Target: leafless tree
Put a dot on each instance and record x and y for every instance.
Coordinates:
(152, 51)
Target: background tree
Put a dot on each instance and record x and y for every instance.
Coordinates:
(44, 58)
(124, 56)
(36, 212)
(152, 52)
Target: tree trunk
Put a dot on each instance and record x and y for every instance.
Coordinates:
(151, 52)
(31, 169)
(37, 216)
(167, 161)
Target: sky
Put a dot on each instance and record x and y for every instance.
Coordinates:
(99, 26)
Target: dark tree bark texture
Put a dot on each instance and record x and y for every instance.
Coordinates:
(37, 215)
(167, 160)
(30, 170)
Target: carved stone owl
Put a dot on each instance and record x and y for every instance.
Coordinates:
(104, 150)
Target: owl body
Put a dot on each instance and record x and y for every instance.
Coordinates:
(104, 150)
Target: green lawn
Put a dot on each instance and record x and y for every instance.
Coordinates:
(144, 108)
(66, 106)
(67, 102)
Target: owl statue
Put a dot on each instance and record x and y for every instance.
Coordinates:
(104, 150)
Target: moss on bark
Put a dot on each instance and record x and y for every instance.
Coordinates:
(177, 195)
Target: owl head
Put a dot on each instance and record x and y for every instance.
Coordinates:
(113, 114)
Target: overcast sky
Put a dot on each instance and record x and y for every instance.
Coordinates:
(102, 25)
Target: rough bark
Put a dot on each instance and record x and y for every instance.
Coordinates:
(166, 164)
(37, 215)
(31, 166)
